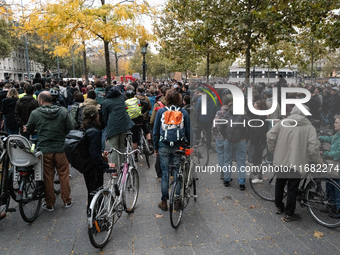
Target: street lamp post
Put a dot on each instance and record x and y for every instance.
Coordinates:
(144, 50)
(27, 59)
(311, 72)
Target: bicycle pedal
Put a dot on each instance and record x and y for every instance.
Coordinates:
(11, 210)
(129, 211)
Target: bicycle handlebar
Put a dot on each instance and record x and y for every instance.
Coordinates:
(123, 153)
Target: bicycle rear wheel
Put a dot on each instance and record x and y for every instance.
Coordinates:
(100, 230)
(263, 187)
(131, 190)
(30, 203)
(323, 201)
(202, 149)
(177, 202)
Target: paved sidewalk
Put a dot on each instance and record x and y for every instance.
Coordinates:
(222, 221)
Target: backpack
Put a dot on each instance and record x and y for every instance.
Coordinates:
(77, 151)
(161, 105)
(133, 108)
(172, 125)
(236, 132)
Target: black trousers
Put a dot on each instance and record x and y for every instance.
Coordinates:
(292, 179)
(93, 181)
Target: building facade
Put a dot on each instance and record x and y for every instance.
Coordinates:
(15, 67)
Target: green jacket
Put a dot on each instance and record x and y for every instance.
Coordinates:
(52, 124)
(335, 145)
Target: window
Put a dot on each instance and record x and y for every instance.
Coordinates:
(233, 74)
(242, 74)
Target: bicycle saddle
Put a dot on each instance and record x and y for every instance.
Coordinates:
(181, 152)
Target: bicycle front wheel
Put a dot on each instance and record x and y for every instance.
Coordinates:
(323, 201)
(177, 202)
(30, 203)
(263, 184)
(101, 221)
(131, 190)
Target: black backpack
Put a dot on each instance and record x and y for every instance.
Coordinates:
(236, 132)
(77, 151)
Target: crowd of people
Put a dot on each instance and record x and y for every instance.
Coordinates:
(107, 112)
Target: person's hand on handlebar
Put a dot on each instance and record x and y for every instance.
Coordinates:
(112, 165)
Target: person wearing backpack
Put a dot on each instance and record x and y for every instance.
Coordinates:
(94, 178)
(172, 127)
(135, 109)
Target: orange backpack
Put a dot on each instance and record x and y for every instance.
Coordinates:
(172, 125)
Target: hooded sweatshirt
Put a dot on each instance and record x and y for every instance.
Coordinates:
(294, 146)
(52, 124)
(115, 117)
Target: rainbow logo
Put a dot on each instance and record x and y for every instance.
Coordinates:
(208, 92)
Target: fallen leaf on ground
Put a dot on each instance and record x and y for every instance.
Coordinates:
(158, 216)
(318, 234)
(252, 206)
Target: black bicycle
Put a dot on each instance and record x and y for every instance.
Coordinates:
(144, 146)
(185, 185)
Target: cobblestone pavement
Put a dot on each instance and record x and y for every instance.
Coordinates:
(222, 221)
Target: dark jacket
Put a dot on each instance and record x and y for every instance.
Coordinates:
(70, 96)
(257, 133)
(94, 143)
(3, 94)
(335, 104)
(8, 109)
(52, 124)
(314, 106)
(211, 110)
(114, 113)
(39, 80)
(23, 109)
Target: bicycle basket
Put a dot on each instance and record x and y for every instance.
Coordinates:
(20, 155)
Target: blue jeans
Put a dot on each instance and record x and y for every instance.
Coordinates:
(333, 194)
(240, 150)
(167, 157)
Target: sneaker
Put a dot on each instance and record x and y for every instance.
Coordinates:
(69, 204)
(289, 218)
(279, 210)
(257, 180)
(47, 208)
(242, 187)
(226, 183)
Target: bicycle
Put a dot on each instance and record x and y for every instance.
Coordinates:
(263, 182)
(120, 194)
(28, 173)
(7, 188)
(185, 181)
(202, 147)
(144, 146)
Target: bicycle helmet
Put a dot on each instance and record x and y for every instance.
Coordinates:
(54, 91)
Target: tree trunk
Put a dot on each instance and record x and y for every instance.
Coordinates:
(208, 68)
(85, 67)
(116, 58)
(107, 62)
(247, 63)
